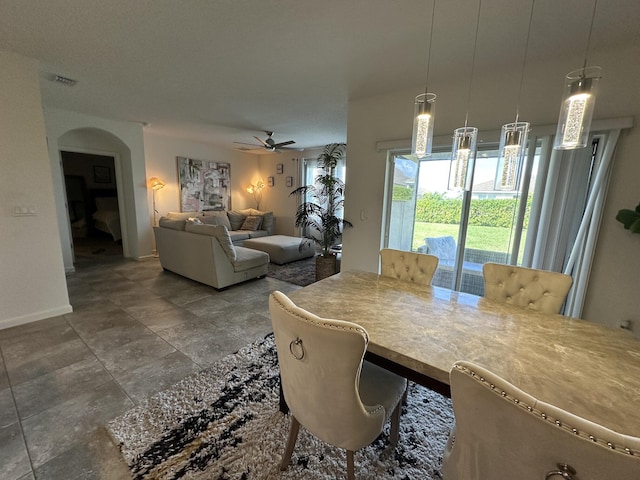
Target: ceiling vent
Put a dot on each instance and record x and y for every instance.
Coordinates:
(70, 82)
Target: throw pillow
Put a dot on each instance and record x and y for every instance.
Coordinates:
(217, 218)
(252, 222)
(236, 219)
(268, 222)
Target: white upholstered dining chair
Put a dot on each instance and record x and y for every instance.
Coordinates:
(408, 266)
(539, 290)
(503, 432)
(329, 389)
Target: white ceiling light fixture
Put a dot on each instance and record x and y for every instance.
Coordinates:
(424, 110)
(514, 136)
(464, 138)
(578, 102)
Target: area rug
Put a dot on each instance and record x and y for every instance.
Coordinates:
(224, 423)
(301, 272)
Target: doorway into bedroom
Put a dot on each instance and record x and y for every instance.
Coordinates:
(92, 205)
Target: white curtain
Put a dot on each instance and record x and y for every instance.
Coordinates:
(571, 189)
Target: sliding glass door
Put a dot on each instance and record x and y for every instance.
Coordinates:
(463, 229)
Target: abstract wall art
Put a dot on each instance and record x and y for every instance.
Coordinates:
(204, 185)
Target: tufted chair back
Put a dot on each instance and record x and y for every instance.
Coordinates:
(330, 391)
(502, 432)
(526, 287)
(408, 266)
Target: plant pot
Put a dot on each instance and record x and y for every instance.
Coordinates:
(325, 266)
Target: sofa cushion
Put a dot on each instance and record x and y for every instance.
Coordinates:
(171, 223)
(268, 222)
(258, 234)
(220, 232)
(236, 219)
(216, 218)
(183, 215)
(239, 235)
(193, 221)
(252, 222)
(248, 258)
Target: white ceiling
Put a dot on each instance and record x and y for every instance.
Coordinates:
(225, 70)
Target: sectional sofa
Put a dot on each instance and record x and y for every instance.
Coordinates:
(205, 246)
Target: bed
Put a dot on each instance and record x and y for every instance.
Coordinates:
(106, 217)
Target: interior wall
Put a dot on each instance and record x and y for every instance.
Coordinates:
(246, 168)
(389, 117)
(85, 133)
(32, 280)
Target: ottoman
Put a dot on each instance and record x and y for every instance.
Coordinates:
(282, 248)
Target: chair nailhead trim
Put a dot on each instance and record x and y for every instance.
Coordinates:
(557, 422)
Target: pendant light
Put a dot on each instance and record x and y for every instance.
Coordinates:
(424, 111)
(463, 150)
(578, 101)
(513, 136)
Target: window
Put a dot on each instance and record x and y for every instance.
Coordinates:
(464, 229)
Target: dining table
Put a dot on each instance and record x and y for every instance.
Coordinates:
(419, 331)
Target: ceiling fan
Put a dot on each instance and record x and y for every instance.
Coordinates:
(270, 144)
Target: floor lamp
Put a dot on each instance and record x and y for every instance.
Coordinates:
(155, 184)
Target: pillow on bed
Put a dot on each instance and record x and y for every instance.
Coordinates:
(107, 203)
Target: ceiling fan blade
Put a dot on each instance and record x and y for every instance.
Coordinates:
(282, 144)
(262, 142)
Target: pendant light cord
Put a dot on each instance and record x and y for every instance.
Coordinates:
(524, 60)
(426, 83)
(473, 63)
(586, 53)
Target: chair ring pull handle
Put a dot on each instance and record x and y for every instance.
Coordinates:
(565, 471)
(297, 349)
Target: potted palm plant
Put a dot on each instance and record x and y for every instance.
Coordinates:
(320, 209)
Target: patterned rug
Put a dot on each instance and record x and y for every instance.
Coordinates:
(301, 272)
(224, 423)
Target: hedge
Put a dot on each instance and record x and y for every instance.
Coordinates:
(497, 212)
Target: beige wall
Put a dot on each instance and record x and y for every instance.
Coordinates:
(614, 279)
(32, 281)
(246, 168)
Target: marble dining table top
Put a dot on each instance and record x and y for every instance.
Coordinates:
(586, 368)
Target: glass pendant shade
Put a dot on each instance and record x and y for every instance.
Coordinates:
(574, 122)
(462, 158)
(513, 142)
(424, 110)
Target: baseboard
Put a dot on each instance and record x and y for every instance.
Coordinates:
(34, 317)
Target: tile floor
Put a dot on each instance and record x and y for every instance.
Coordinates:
(135, 330)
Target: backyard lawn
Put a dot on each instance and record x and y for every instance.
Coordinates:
(494, 239)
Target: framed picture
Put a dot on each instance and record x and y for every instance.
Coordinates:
(270, 181)
(204, 185)
(289, 181)
(279, 168)
(101, 174)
